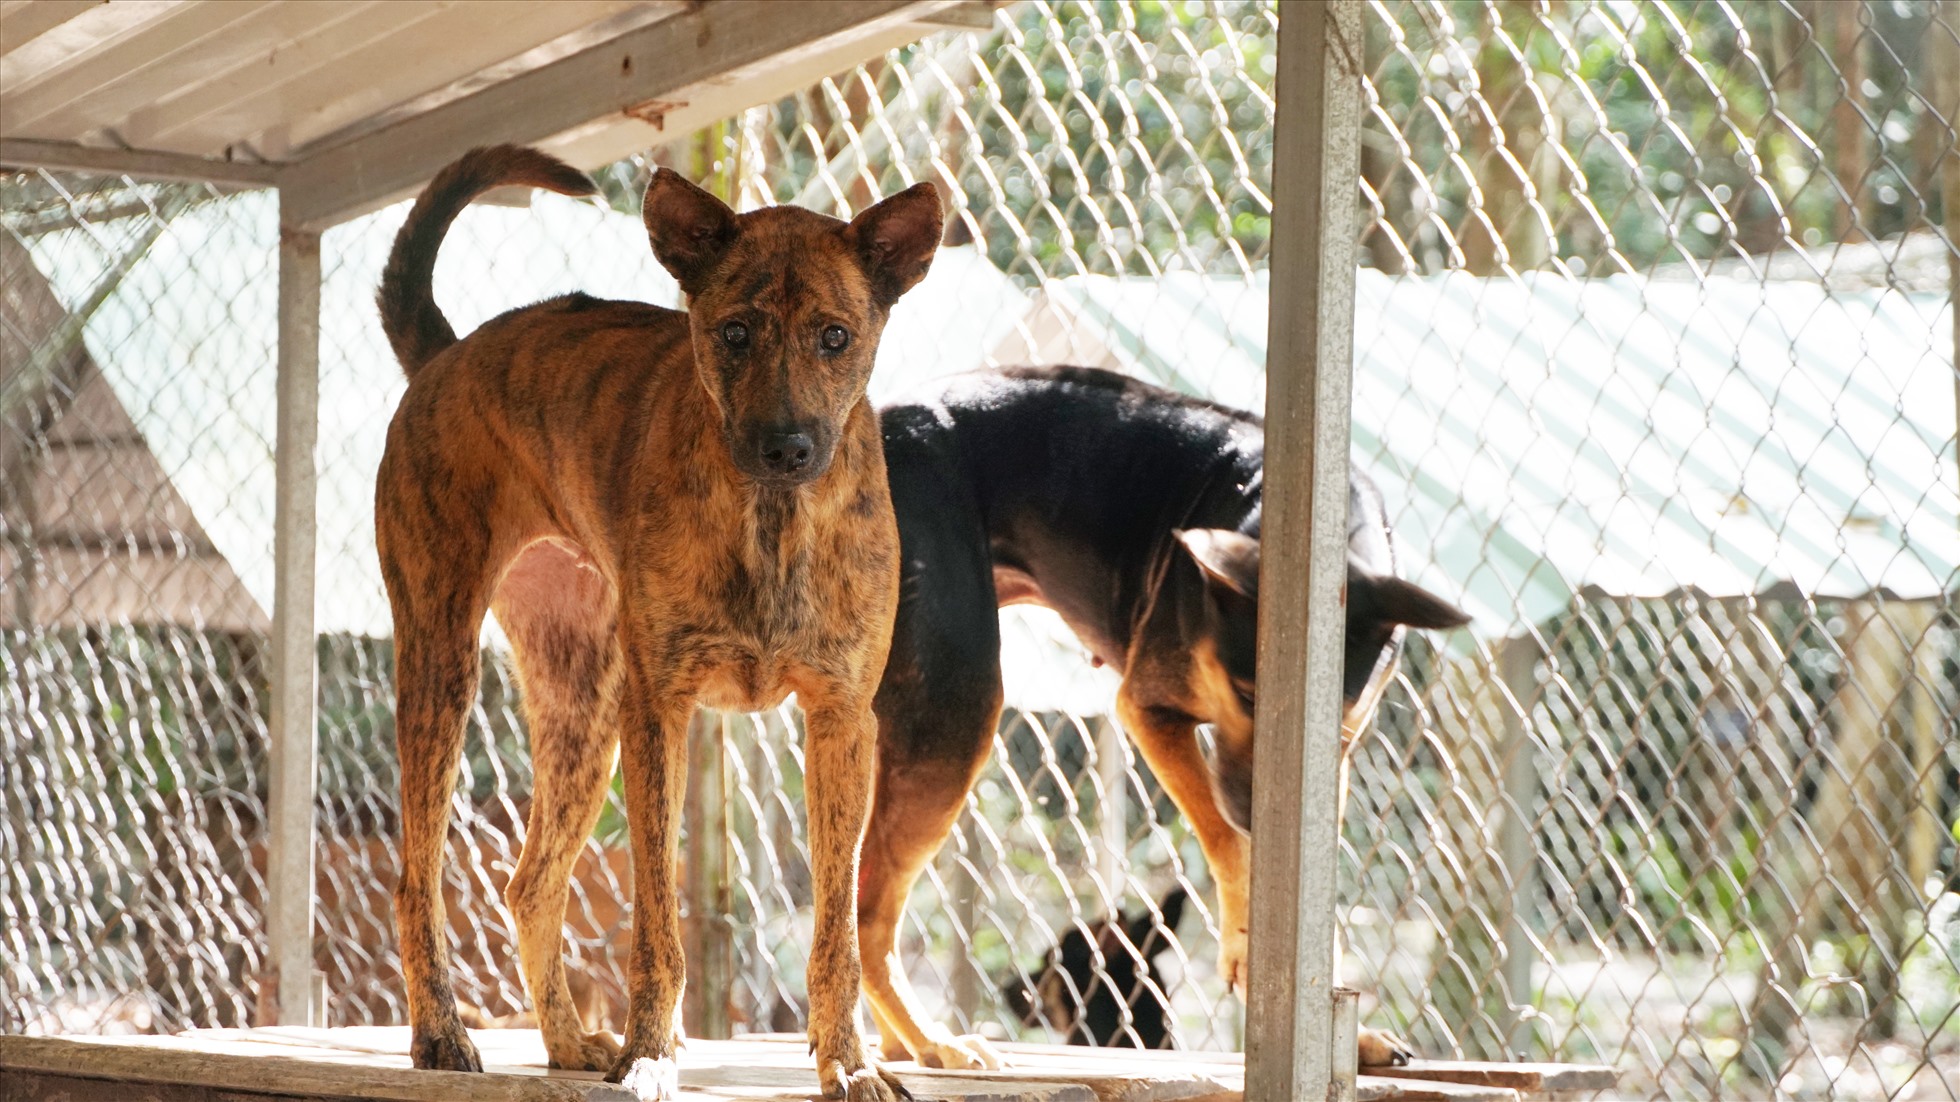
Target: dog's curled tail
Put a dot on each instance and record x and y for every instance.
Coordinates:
(414, 324)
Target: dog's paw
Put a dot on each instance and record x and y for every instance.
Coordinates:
(647, 1078)
(448, 1049)
(585, 1052)
(968, 1052)
(1232, 948)
(646, 1066)
(1381, 1049)
(866, 1083)
(891, 1047)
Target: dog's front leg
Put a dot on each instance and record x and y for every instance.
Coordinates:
(839, 754)
(1171, 749)
(653, 758)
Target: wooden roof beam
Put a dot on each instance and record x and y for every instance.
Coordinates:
(141, 163)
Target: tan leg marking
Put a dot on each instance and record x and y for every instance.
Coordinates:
(909, 824)
(1172, 751)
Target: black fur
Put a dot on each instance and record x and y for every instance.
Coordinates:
(1122, 1003)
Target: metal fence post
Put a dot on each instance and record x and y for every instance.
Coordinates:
(289, 853)
(1310, 350)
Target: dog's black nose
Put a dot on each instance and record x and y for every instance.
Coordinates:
(786, 452)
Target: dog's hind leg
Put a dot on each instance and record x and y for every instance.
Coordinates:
(938, 705)
(937, 709)
(916, 804)
(438, 587)
(559, 616)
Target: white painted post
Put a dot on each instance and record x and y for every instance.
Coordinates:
(1943, 55)
(1113, 817)
(1518, 665)
(289, 854)
(1310, 349)
(1346, 1059)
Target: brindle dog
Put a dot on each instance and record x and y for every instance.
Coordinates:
(661, 508)
(1135, 514)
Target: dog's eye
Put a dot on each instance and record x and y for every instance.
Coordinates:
(1244, 691)
(835, 338)
(735, 335)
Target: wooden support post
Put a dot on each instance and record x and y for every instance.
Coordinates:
(1943, 57)
(1932, 704)
(1310, 350)
(1849, 839)
(1519, 762)
(710, 892)
(289, 854)
(142, 164)
(968, 983)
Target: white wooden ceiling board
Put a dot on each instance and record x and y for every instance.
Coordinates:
(264, 89)
(141, 58)
(714, 52)
(248, 38)
(397, 71)
(632, 18)
(74, 41)
(23, 21)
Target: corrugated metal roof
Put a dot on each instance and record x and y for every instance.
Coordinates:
(1539, 438)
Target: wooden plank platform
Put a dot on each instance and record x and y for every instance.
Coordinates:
(371, 1063)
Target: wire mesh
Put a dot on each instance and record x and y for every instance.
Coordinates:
(1654, 367)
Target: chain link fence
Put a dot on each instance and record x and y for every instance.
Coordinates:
(1653, 366)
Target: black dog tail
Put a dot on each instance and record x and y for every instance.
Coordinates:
(414, 324)
(1152, 936)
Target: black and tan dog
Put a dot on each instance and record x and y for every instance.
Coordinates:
(661, 508)
(1134, 513)
(1100, 985)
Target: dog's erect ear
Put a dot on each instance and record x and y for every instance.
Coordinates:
(895, 241)
(1403, 602)
(1229, 559)
(689, 228)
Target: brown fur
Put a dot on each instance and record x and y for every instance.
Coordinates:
(599, 474)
